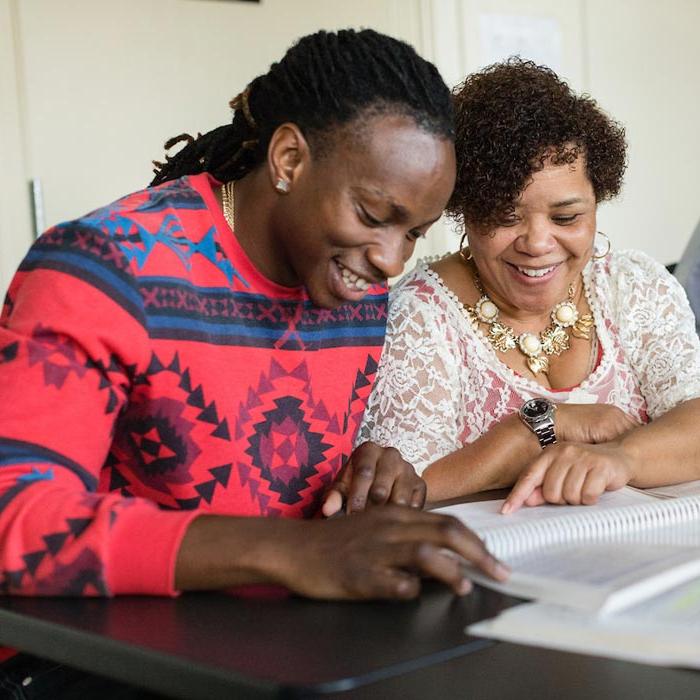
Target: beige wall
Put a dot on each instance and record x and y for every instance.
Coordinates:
(644, 66)
(98, 86)
(14, 189)
(90, 89)
(641, 60)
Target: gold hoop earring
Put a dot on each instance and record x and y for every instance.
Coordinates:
(468, 256)
(607, 250)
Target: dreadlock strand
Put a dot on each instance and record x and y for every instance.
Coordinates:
(323, 82)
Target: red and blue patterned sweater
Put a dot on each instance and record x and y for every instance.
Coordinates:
(148, 373)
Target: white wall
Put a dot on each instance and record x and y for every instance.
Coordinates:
(14, 189)
(644, 68)
(93, 88)
(641, 60)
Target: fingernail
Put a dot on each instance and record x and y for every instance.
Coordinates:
(506, 508)
(501, 570)
(465, 586)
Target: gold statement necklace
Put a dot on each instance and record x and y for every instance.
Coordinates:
(227, 202)
(553, 340)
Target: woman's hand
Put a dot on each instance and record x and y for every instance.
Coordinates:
(591, 423)
(571, 473)
(375, 474)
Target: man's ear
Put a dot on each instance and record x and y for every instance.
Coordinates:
(287, 155)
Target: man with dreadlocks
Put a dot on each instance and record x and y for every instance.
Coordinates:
(203, 350)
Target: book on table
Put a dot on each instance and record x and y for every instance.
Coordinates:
(663, 630)
(629, 547)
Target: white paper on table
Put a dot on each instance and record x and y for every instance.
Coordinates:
(662, 631)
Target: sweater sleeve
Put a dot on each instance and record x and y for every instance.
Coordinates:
(72, 344)
(414, 403)
(657, 331)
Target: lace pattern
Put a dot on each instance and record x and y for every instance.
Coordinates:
(441, 385)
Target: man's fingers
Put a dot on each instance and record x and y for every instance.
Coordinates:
(395, 583)
(381, 489)
(419, 494)
(383, 552)
(447, 533)
(432, 561)
(333, 503)
(363, 473)
(405, 487)
(378, 475)
(337, 494)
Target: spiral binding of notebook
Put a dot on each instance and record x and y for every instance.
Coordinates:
(672, 522)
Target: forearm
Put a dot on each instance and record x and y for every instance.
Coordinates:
(379, 553)
(667, 450)
(220, 551)
(492, 461)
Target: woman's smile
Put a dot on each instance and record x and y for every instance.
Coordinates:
(533, 275)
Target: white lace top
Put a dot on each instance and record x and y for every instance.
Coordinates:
(440, 384)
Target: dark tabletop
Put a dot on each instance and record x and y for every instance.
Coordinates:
(205, 645)
(212, 645)
(504, 671)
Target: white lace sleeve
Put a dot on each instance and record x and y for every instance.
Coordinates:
(657, 331)
(413, 404)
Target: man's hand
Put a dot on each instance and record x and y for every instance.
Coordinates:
(571, 473)
(374, 475)
(382, 553)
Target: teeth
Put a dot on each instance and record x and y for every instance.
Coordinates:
(535, 273)
(354, 281)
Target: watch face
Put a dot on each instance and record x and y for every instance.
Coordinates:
(536, 408)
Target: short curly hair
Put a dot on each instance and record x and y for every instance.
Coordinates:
(512, 117)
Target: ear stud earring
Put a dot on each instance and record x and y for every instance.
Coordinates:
(282, 186)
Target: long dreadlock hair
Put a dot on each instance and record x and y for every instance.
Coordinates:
(323, 82)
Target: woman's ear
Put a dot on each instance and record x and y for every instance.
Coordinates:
(287, 156)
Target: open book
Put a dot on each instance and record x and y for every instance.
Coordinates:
(664, 630)
(630, 546)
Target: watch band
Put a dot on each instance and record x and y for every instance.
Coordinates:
(545, 434)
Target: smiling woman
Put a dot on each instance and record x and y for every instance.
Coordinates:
(530, 316)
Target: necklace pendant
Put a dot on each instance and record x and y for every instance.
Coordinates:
(537, 347)
(538, 363)
(501, 337)
(554, 340)
(529, 344)
(564, 314)
(583, 328)
(486, 311)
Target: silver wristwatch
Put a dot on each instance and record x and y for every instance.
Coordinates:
(538, 415)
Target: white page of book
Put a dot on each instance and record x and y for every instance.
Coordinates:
(664, 630)
(486, 515)
(601, 558)
(600, 578)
